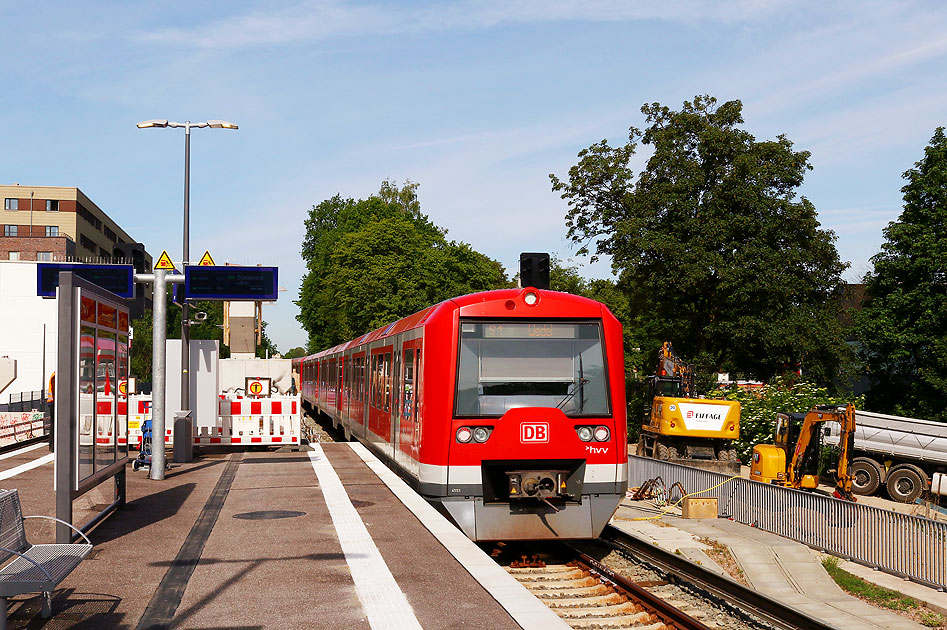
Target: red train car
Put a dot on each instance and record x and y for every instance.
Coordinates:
(506, 409)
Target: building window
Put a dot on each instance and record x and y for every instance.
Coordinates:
(10, 204)
(52, 205)
(87, 243)
(14, 255)
(44, 256)
(9, 230)
(52, 230)
(110, 235)
(88, 216)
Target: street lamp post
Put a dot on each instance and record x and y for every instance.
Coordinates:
(185, 311)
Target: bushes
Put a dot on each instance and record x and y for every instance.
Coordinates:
(758, 408)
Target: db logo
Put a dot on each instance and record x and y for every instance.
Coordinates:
(535, 432)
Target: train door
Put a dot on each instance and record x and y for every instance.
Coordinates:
(357, 408)
(347, 391)
(408, 426)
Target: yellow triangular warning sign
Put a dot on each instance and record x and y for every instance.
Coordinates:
(164, 261)
(206, 260)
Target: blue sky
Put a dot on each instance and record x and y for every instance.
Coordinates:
(477, 101)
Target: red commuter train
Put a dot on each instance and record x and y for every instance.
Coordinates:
(505, 409)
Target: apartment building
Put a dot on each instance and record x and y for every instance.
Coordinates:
(61, 224)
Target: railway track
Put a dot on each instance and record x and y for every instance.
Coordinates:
(586, 594)
(620, 582)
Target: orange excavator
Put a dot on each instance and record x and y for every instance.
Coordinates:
(793, 460)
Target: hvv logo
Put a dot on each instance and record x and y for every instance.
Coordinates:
(534, 432)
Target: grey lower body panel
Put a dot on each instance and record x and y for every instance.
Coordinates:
(532, 520)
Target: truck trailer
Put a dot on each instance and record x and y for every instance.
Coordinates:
(900, 454)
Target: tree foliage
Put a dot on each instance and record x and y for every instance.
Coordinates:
(713, 248)
(903, 325)
(295, 353)
(372, 261)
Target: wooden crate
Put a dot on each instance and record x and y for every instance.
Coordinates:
(700, 507)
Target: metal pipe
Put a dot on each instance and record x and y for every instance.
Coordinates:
(185, 310)
(158, 373)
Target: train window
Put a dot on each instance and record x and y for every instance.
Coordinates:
(387, 377)
(407, 388)
(373, 385)
(507, 364)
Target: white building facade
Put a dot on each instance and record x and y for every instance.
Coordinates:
(28, 328)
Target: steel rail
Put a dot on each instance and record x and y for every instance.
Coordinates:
(669, 615)
(728, 589)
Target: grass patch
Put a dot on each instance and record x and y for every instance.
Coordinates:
(878, 595)
(882, 597)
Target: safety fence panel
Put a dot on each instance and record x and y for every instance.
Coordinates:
(21, 426)
(907, 546)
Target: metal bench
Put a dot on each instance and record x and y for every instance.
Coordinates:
(35, 568)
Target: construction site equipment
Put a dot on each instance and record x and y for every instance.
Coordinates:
(793, 460)
(685, 429)
(894, 453)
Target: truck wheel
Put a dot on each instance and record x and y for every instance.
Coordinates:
(866, 476)
(906, 484)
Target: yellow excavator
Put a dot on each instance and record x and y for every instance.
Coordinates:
(793, 460)
(683, 428)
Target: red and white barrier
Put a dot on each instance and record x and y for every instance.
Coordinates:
(272, 421)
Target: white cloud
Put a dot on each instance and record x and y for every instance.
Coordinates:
(318, 20)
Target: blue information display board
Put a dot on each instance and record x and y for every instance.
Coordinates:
(117, 279)
(257, 284)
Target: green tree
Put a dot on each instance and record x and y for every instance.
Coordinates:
(376, 260)
(903, 325)
(713, 248)
(295, 353)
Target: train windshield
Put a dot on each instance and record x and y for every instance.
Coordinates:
(504, 365)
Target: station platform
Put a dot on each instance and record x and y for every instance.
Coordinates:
(321, 538)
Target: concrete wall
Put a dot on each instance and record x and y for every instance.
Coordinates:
(233, 373)
(22, 316)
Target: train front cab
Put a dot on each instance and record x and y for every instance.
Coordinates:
(537, 447)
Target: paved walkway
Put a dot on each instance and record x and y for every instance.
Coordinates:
(781, 568)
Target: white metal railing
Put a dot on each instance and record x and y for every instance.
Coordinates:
(907, 546)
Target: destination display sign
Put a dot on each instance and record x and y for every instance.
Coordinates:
(257, 284)
(117, 279)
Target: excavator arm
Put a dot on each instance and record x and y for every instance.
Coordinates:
(807, 446)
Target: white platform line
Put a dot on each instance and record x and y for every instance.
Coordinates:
(25, 449)
(382, 599)
(13, 472)
(528, 611)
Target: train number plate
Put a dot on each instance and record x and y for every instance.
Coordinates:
(534, 432)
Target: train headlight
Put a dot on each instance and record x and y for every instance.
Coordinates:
(480, 434)
(531, 299)
(602, 434)
(464, 435)
(585, 433)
